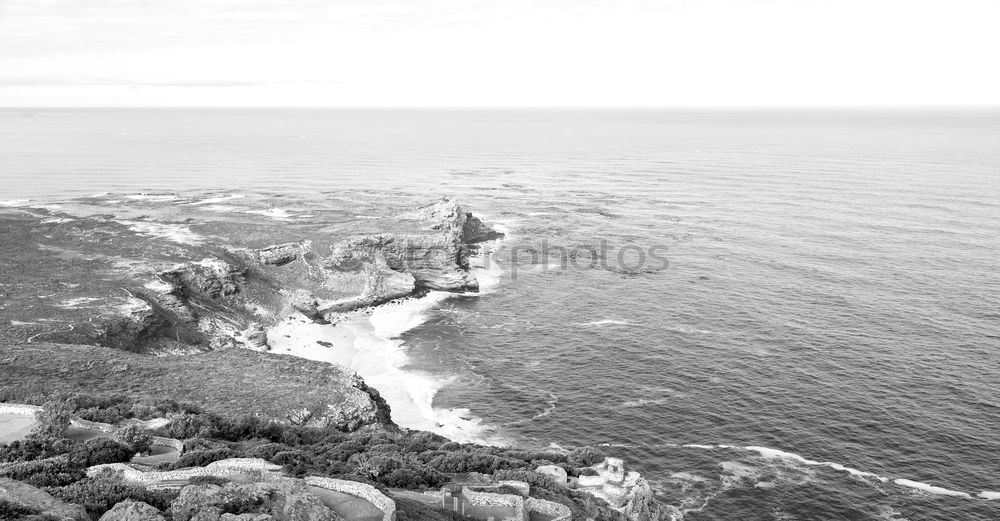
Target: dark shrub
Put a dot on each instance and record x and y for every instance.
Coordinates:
(10, 510)
(100, 451)
(49, 472)
(202, 458)
(584, 457)
(409, 510)
(53, 419)
(536, 480)
(101, 492)
(134, 436)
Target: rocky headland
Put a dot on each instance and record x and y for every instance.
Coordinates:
(127, 310)
(155, 287)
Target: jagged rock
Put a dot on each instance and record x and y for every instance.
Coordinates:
(247, 517)
(284, 500)
(449, 216)
(475, 231)
(132, 511)
(277, 255)
(256, 338)
(305, 303)
(32, 501)
(435, 262)
(209, 278)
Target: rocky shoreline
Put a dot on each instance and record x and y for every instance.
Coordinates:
(116, 287)
(194, 313)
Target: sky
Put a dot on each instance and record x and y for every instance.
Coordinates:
(499, 53)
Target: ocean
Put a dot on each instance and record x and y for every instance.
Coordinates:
(773, 315)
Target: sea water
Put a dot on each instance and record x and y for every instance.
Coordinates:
(816, 336)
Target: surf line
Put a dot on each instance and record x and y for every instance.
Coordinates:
(769, 453)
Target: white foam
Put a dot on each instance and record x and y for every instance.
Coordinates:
(775, 453)
(172, 232)
(395, 318)
(13, 203)
(278, 214)
(986, 494)
(75, 302)
(220, 208)
(152, 197)
(158, 286)
(930, 489)
(19, 323)
(606, 322)
(56, 220)
(219, 199)
(631, 404)
(382, 361)
(767, 452)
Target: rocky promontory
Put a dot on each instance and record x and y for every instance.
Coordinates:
(159, 286)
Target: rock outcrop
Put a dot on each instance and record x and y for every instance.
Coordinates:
(276, 255)
(28, 502)
(625, 491)
(159, 292)
(436, 252)
(132, 511)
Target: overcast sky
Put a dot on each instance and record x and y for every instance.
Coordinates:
(499, 52)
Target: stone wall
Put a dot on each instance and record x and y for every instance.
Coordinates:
(221, 468)
(490, 499)
(559, 511)
(80, 423)
(522, 487)
(171, 443)
(361, 490)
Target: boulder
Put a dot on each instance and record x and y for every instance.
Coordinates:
(132, 511)
(555, 471)
(305, 303)
(27, 501)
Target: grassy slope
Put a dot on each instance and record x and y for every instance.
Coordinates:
(228, 382)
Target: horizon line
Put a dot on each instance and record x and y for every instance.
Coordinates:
(521, 107)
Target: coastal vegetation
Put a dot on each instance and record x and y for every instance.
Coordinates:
(380, 454)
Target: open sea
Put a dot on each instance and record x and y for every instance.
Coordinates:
(784, 315)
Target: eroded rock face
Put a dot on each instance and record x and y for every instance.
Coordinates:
(132, 511)
(277, 255)
(32, 501)
(285, 500)
(436, 253)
